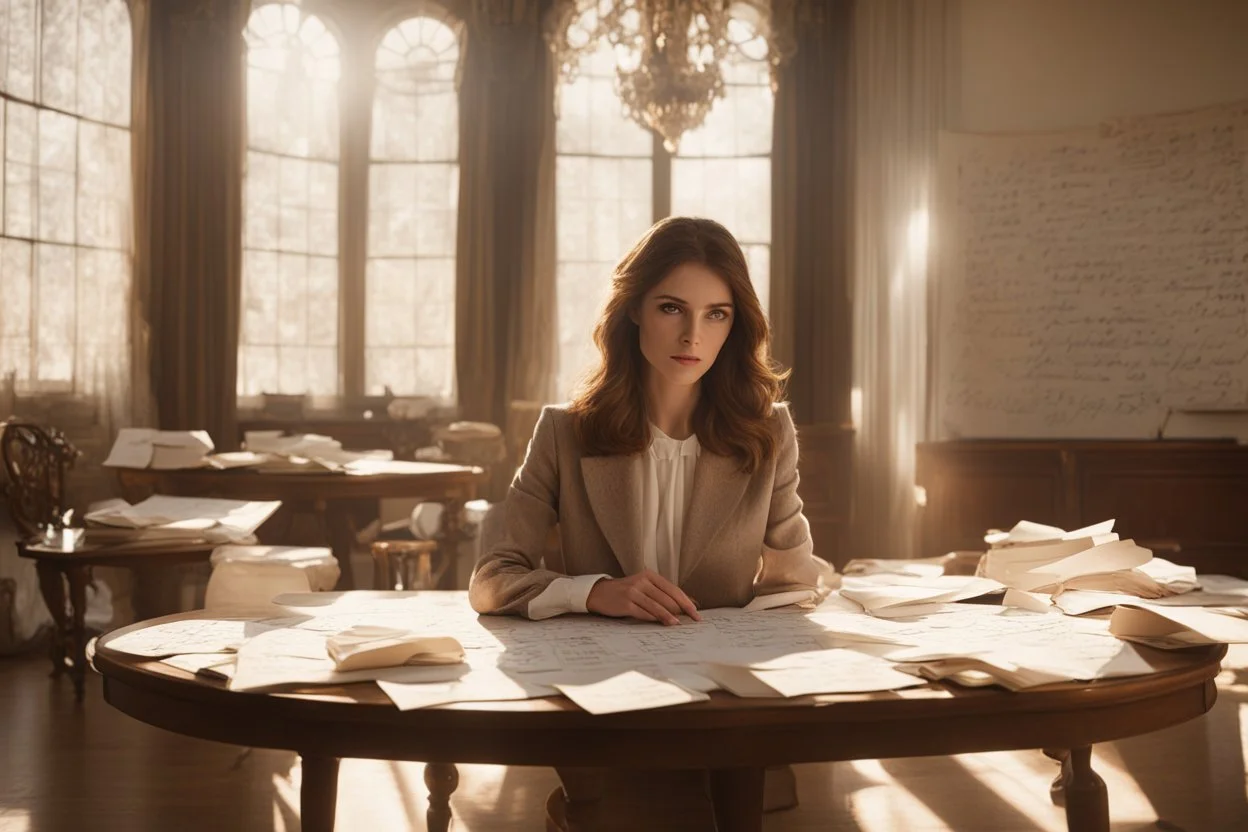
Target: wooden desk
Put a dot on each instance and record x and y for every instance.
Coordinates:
(735, 738)
(327, 496)
(1186, 499)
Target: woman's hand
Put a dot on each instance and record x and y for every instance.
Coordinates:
(647, 596)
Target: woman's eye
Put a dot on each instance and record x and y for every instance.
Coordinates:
(718, 315)
(669, 308)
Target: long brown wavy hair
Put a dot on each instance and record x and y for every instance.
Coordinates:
(738, 391)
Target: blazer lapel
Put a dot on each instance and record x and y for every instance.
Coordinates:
(613, 483)
(718, 486)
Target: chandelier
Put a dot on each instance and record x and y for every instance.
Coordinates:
(669, 53)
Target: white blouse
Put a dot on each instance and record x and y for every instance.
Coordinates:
(666, 487)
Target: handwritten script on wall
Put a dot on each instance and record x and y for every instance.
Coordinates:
(1091, 282)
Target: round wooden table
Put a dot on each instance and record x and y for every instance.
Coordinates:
(327, 495)
(733, 738)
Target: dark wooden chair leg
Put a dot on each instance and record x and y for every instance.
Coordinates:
(582, 790)
(1087, 802)
(79, 577)
(52, 586)
(737, 798)
(318, 794)
(441, 779)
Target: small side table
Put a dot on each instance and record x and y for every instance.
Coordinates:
(59, 568)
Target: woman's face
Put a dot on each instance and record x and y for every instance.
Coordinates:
(683, 322)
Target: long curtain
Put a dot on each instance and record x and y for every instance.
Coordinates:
(811, 199)
(899, 65)
(188, 209)
(505, 259)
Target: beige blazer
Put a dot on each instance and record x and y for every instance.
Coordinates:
(569, 514)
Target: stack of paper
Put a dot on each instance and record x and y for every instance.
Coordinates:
(161, 517)
(1044, 559)
(269, 451)
(159, 449)
(364, 646)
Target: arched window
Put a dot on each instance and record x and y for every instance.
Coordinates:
(409, 332)
(65, 208)
(289, 335)
(615, 179)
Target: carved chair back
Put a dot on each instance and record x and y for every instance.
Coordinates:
(35, 459)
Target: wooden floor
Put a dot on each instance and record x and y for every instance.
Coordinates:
(91, 768)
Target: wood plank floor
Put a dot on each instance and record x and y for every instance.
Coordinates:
(91, 768)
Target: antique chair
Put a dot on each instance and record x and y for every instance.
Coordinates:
(36, 460)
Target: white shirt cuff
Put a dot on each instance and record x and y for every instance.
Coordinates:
(563, 595)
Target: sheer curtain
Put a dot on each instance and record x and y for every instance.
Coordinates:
(65, 208)
(66, 244)
(899, 65)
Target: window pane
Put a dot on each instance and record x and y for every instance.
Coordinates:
(289, 335)
(59, 62)
(413, 199)
(603, 203)
(23, 48)
(20, 162)
(57, 308)
(723, 168)
(58, 148)
(16, 313)
(116, 62)
(66, 186)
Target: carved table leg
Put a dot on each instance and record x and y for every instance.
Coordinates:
(318, 794)
(1087, 803)
(336, 519)
(441, 779)
(1057, 789)
(737, 798)
(452, 536)
(52, 585)
(79, 577)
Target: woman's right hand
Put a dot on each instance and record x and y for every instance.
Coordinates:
(647, 596)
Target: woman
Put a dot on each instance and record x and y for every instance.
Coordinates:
(672, 478)
(670, 482)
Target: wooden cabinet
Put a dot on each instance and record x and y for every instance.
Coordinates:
(1186, 500)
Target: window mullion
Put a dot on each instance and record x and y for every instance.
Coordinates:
(356, 114)
(661, 179)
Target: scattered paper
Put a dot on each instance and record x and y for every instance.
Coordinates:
(214, 519)
(159, 449)
(210, 665)
(830, 671)
(875, 596)
(629, 691)
(476, 685)
(195, 635)
(1175, 627)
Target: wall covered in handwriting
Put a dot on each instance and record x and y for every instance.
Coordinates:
(1091, 282)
